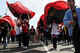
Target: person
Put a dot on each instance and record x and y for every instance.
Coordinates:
(41, 30)
(68, 21)
(4, 30)
(38, 33)
(60, 37)
(46, 35)
(32, 32)
(19, 34)
(13, 34)
(66, 35)
(54, 33)
(26, 37)
(0, 36)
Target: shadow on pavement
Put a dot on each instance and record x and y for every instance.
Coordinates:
(67, 49)
(60, 43)
(66, 44)
(34, 46)
(34, 51)
(51, 49)
(11, 50)
(17, 49)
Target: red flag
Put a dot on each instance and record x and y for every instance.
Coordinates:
(9, 20)
(58, 5)
(44, 20)
(18, 9)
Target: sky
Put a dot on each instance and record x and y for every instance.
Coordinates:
(35, 5)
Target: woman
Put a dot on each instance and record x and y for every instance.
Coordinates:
(54, 33)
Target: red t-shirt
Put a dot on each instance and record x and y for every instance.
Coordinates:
(25, 28)
(13, 33)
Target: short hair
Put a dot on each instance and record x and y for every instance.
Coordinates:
(24, 16)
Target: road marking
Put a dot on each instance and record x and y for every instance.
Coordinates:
(31, 49)
(45, 47)
(17, 52)
(27, 50)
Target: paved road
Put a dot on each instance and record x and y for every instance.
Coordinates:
(39, 47)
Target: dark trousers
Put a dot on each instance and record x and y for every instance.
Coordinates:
(19, 39)
(26, 39)
(4, 40)
(1, 38)
(69, 40)
(46, 35)
(76, 39)
(13, 38)
(54, 40)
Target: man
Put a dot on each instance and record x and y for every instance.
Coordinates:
(25, 29)
(68, 21)
(41, 30)
(4, 29)
(32, 31)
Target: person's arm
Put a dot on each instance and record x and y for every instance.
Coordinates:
(67, 19)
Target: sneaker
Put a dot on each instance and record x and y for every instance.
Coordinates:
(55, 49)
(5, 47)
(25, 47)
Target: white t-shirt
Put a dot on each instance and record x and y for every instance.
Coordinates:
(18, 30)
(55, 29)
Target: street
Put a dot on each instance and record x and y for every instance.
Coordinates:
(38, 47)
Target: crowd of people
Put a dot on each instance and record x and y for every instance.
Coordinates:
(56, 33)
(58, 24)
(22, 34)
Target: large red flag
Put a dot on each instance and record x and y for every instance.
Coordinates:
(44, 21)
(9, 20)
(58, 5)
(18, 9)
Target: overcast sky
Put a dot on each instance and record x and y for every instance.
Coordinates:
(35, 5)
